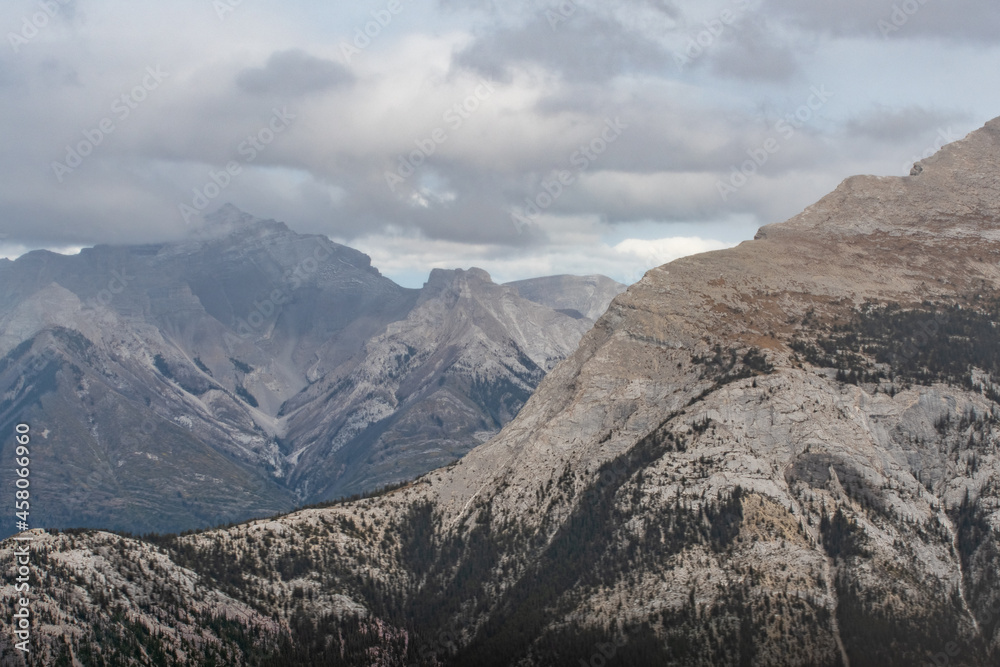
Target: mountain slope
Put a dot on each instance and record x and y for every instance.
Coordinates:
(785, 453)
(430, 387)
(172, 361)
(117, 443)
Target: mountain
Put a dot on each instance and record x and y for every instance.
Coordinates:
(421, 394)
(785, 453)
(188, 384)
(155, 371)
(578, 296)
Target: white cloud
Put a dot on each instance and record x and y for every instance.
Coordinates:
(687, 127)
(408, 259)
(13, 251)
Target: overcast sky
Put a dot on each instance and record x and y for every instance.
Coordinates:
(527, 138)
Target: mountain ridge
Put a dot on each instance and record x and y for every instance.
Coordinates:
(210, 338)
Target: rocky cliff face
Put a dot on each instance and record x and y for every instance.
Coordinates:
(785, 453)
(430, 387)
(187, 384)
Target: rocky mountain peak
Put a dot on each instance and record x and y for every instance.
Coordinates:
(443, 277)
(232, 224)
(459, 282)
(954, 192)
(577, 296)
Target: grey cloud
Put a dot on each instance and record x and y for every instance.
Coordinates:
(894, 19)
(58, 72)
(584, 47)
(293, 73)
(478, 213)
(756, 52)
(884, 124)
(7, 74)
(684, 132)
(520, 10)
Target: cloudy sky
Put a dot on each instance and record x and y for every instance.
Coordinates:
(527, 138)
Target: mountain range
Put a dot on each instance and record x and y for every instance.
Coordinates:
(785, 453)
(249, 370)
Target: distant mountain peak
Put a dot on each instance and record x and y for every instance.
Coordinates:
(229, 220)
(449, 276)
(441, 280)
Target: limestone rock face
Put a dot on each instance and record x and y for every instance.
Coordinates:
(430, 387)
(785, 453)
